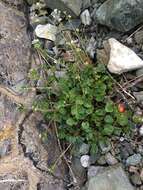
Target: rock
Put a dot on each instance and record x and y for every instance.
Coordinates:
(123, 152)
(105, 146)
(112, 178)
(139, 37)
(14, 44)
(85, 17)
(84, 149)
(122, 59)
(85, 161)
(139, 72)
(94, 170)
(5, 147)
(90, 48)
(71, 7)
(141, 174)
(111, 160)
(47, 31)
(138, 96)
(134, 160)
(122, 15)
(78, 170)
(86, 4)
(141, 130)
(101, 160)
(135, 179)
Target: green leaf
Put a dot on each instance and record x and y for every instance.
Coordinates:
(122, 119)
(79, 100)
(108, 130)
(109, 108)
(117, 131)
(108, 119)
(85, 125)
(70, 121)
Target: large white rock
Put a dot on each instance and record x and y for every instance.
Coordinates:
(122, 58)
(47, 31)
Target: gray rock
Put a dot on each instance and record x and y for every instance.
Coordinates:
(5, 147)
(133, 160)
(91, 47)
(78, 170)
(138, 96)
(139, 72)
(94, 170)
(84, 149)
(135, 179)
(121, 15)
(85, 17)
(113, 178)
(139, 37)
(71, 7)
(101, 160)
(86, 4)
(111, 160)
(105, 146)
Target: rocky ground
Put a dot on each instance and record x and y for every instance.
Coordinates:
(112, 33)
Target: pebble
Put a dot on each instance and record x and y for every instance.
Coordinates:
(47, 31)
(101, 160)
(84, 149)
(135, 179)
(134, 160)
(141, 130)
(94, 170)
(110, 159)
(105, 147)
(85, 17)
(85, 161)
(141, 175)
(91, 47)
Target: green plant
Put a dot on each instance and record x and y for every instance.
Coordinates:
(81, 105)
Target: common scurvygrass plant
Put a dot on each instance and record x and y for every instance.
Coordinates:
(80, 101)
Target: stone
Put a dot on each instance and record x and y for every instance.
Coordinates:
(122, 15)
(141, 130)
(72, 8)
(138, 96)
(5, 147)
(101, 160)
(85, 17)
(47, 31)
(84, 149)
(86, 4)
(85, 161)
(14, 45)
(139, 72)
(121, 58)
(94, 170)
(105, 146)
(112, 178)
(134, 160)
(91, 47)
(139, 37)
(141, 175)
(135, 179)
(78, 170)
(111, 160)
